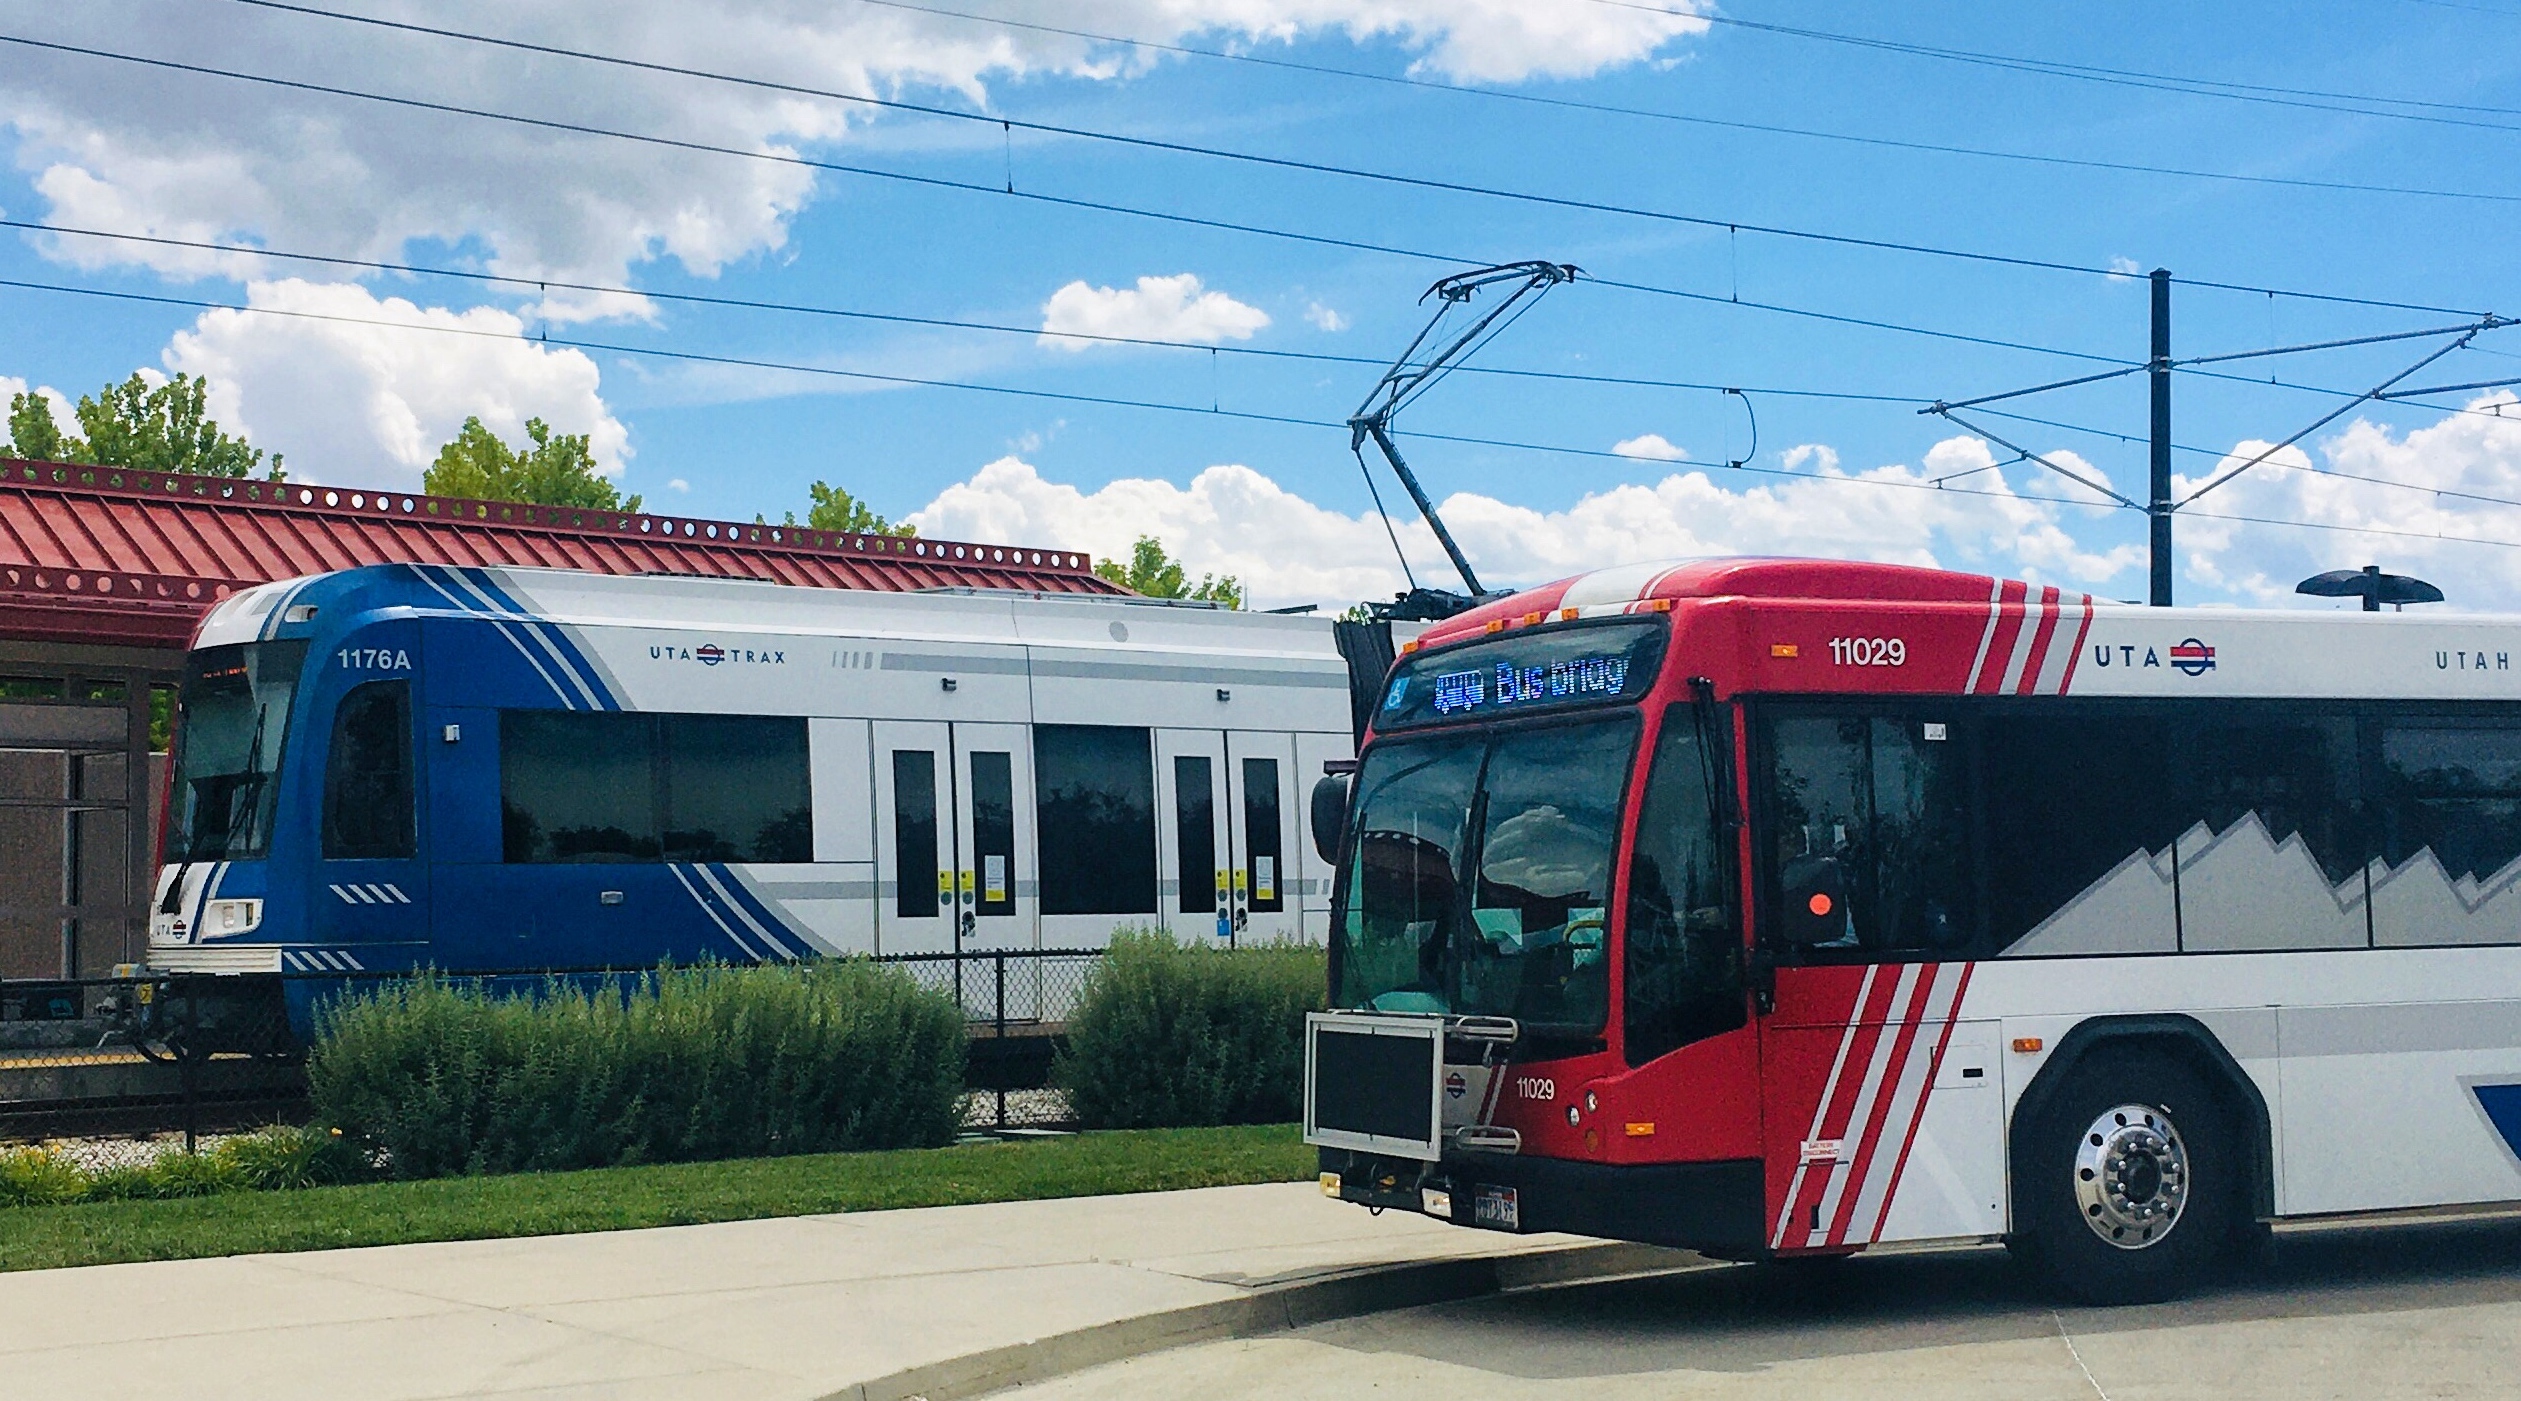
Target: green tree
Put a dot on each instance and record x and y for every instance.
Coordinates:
(553, 471)
(155, 428)
(835, 509)
(1154, 573)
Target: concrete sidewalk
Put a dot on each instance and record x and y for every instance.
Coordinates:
(870, 1306)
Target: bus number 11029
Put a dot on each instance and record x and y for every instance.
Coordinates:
(1868, 651)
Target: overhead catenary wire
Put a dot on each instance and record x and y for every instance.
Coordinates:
(1148, 143)
(543, 285)
(2317, 99)
(1654, 114)
(2220, 454)
(869, 376)
(1285, 420)
(1705, 221)
(1035, 196)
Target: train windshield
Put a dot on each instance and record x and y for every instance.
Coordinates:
(1480, 879)
(236, 704)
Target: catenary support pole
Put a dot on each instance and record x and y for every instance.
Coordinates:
(2158, 371)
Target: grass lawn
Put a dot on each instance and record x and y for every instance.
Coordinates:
(612, 1199)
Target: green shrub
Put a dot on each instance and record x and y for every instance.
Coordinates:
(692, 1063)
(284, 1158)
(39, 1177)
(1168, 1036)
(169, 1174)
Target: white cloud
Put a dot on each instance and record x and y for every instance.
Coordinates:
(1652, 447)
(678, 484)
(1172, 308)
(2125, 269)
(2414, 527)
(121, 147)
(1324, 318)
(1234, 520)
(371, 404)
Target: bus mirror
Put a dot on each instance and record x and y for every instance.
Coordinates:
(1815, 909)
(1330, 814)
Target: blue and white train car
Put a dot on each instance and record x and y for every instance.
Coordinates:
(492, 769)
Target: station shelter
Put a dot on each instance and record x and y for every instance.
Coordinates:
(105, 571)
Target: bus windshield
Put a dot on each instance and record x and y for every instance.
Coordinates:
(1480, 879)
(235, 717)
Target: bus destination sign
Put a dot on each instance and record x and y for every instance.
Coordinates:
(1522, 673)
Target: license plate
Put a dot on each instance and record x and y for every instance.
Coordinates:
(1497, 1207)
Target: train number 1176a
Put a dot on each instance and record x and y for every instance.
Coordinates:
(1868, 651)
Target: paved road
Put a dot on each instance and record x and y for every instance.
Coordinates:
(2431, 1310)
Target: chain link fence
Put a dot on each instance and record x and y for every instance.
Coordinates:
(148, 1051)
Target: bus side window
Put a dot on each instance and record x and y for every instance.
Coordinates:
(1887, 798)
(915, 862)
(367, 778)
(1684, 939)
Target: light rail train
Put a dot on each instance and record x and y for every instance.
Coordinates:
(520, 769)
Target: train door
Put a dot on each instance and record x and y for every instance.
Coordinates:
(1260, 778)
(371, 883)
(916, 909)
(1193, 834)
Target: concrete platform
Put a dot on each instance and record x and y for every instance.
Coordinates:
(875, 1306)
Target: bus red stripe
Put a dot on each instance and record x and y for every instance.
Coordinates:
(1885, 1095)
(1934, 1067)
(2040, 640)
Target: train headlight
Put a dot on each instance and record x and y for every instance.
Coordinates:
(221, 917)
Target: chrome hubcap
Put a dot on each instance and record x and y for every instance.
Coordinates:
(2131, 1176)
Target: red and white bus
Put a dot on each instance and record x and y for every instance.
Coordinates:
(1783, 907)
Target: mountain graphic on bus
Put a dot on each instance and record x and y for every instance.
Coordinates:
(2244, 890)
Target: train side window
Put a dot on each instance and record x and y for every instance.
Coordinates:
(367, 778)
(1195, 832)
(578, 785)
(993, 830)
(915, 863)
(1095, 797)
(1261, 837)
(736, 788)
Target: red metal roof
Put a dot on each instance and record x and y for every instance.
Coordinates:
(106, 554)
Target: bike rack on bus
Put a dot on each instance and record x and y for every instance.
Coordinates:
(1495, 1037)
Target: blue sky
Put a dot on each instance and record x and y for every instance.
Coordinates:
(104, 145)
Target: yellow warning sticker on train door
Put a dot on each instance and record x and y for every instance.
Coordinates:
(993, 877)
(1264, 877)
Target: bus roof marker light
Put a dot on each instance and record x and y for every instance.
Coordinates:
(1786, 650)
(1662, 605)
(1569, 615)
(1533, 619)
(1495, 625)
(1410, 646)
(1644, 1130)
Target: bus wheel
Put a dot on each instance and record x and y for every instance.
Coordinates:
(2129, 1189)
